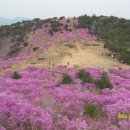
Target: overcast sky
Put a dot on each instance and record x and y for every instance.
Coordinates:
(57, 8)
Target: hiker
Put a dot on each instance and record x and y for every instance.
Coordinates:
(53, 65)
(49, 63)
(68, 63)
(61, 54)
(112, 56)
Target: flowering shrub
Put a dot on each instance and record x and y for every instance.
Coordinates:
(37, 102)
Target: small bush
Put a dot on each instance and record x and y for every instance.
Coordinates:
(66, 79)
(70, 30)
(69, 45)
(104, 82)
(25, 44)
(16, 76)
(50, 31)
(90, 110)
(68, 20)
(14, 52)
(93, 111)
(84, 76)
(35, 48)
(66, 27)
(55, 24)
(61, 17)
(46, 25)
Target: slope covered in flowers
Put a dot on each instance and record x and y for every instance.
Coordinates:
(51, 39)
(52, 31)
(38, 100)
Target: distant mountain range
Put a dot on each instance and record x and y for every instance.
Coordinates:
(7, 21)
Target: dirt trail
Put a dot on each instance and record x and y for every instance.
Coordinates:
(80, 55)
(90, 56)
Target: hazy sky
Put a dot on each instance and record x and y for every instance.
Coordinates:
(57, 8)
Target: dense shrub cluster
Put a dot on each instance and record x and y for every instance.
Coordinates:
(115, 31)
(101, 83)
(55, 27)
(84, 76)
(66, 79)
(104, 82)
(14, 52)
(16, 76)
(93, 111)
(35, 48)
(58, 26)
(18, 33)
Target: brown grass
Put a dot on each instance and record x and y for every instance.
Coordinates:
(80, 55)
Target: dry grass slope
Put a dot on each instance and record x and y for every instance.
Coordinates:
(80, 55)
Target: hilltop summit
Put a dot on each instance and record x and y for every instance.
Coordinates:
(62, 41)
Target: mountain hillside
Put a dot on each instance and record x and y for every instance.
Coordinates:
(59, 41)
(65, 74)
